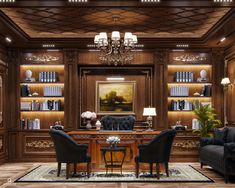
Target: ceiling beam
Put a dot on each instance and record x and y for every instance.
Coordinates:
(117, 3)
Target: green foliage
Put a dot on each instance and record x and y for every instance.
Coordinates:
(207, 119)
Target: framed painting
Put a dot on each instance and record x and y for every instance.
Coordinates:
(115, 97)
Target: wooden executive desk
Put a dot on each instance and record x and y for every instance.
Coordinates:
(97, 139)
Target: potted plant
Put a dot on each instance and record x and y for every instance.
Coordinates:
(207, 119)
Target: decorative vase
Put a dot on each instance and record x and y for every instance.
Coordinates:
(88, 124)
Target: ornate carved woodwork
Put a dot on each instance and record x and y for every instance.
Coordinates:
(189, 58)
(40, 57)
(58, 22)
(38, 144)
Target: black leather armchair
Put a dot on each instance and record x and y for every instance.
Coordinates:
(68, 151)
(118, 122)
(219, 152)
(157, 151)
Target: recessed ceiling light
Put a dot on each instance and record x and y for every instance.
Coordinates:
(182, 45)
(223, 1)
(90, 45)
(7, 1)
(48, 45)
(8, 39)
(77, 1)
(150, 1)
(223, 39)
(139, 45)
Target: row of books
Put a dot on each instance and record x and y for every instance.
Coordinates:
(55, 91)
(182, 91)
(48, 91)
(183, 77)
(181, 105)
(48, 77)
(52, 105)
(30, 124)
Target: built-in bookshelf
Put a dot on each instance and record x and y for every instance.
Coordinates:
(41, 95)
(186, 88)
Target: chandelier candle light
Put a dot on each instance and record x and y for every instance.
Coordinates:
(115, 50)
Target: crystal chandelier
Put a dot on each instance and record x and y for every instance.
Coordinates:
(115, 50)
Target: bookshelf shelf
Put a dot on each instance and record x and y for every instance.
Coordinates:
(48, 82)
(185, 79)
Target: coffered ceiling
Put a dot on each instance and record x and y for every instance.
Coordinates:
(198, 22)
(86, 22)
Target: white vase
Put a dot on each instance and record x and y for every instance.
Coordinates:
(88, 124)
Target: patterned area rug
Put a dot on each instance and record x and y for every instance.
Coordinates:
(177, 172)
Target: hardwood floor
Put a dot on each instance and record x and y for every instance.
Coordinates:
(9, 172)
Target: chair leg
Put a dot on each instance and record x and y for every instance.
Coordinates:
(58, 169)
(226, 178)
(158, 170)
(74, 168)
(201, 165)
(137, 169)
(151, 168)
(88, 169)
(167, 169)
(67, 170)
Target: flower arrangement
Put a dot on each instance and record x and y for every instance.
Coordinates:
(113, 140)
(88, 115)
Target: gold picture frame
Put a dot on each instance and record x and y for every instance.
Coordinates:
(115, 97)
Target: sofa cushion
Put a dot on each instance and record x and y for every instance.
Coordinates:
(220, 136)
(213, 154)
(231, 135)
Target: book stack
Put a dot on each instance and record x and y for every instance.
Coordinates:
(181, 105)
(52, 91)
(30, 124)
(179, 91)
(25, 90)
(206, 91)
(53, 105)
(183, 77)
(25, 106)
(48, 77)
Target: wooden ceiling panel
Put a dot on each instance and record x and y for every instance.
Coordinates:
(146, 22)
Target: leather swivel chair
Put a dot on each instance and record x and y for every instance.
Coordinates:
(157, 151)
(68, 151)
(118, 122)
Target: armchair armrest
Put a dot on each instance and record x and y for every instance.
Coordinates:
(206, 141)
(142, 146)
(229, 150)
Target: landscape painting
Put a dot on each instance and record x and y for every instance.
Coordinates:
(115, 97)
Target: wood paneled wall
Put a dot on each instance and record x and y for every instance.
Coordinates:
(3, 109)
(82, 70)
(231, 93)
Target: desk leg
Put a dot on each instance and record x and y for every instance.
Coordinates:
(111, 153)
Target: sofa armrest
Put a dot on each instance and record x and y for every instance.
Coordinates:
(206, 141)
(229, 150)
